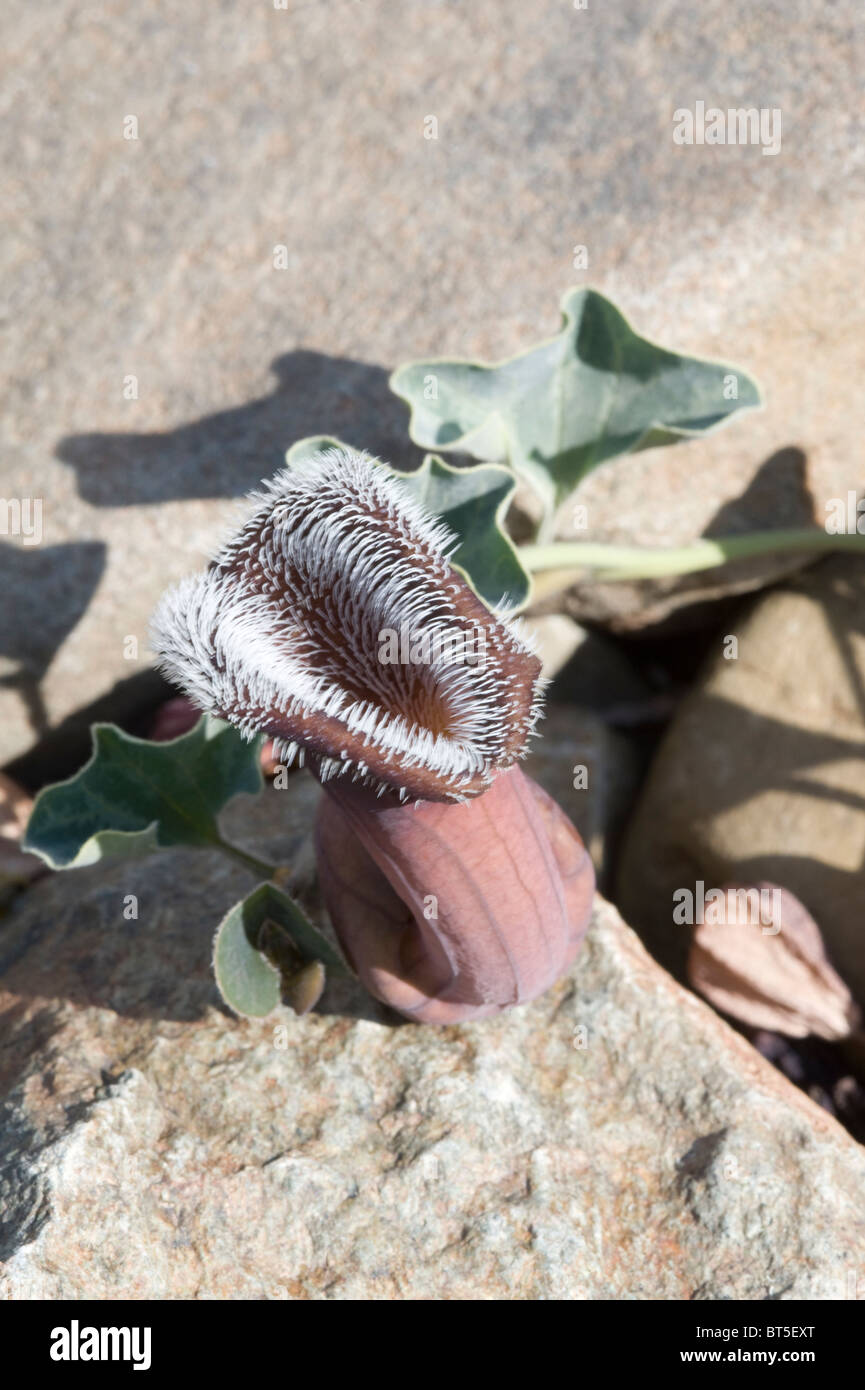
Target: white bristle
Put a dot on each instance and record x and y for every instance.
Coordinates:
(286, 626)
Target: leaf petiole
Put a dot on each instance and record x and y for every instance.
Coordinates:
(259, 867)
(619, 562)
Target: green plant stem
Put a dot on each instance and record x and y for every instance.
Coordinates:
(258, 867)
(635, 562)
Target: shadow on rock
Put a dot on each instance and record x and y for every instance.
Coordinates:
(228, 453)
(777, 498)
(761, 775)
(46, 591)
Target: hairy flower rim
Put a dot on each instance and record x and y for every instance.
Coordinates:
(281, 636)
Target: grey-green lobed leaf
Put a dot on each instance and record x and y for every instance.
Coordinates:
(473, 502)
(247, 981)
(554, 413)
(134, 796)
(265, 945)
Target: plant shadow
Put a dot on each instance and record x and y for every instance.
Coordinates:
(777, 498)
(228, 453)
(221, 455)
(46, 592)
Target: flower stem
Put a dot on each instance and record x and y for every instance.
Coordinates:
(258, 867)
(615, 562)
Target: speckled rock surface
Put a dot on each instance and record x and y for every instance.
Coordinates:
(761, 775)
(152, 1147)
(303, 128)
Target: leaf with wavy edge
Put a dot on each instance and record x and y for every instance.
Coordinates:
(557, 411)
(134, 796)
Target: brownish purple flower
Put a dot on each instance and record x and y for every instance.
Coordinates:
(334, 623)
